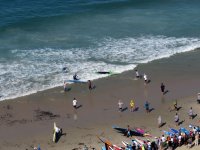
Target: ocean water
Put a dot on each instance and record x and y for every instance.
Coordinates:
(39, 38)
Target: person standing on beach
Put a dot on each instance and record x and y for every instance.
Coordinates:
(145, 78)
(176, 119)
(137, 73)
(190, 113)
(128, 131)
(89, 85)
(120, 104)
(65, 86)
(146, 106)
(162, 87)
(197, 139)
(132, 105)
(74, 103)
(159, 121)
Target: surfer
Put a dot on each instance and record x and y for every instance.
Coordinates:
(57, 132)
(74, 103)
(64, 69)
(75, 76)
(162, 87)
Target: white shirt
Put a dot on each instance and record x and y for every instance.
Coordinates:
(190, 112)
(74, 102)
(145, 77)
(163, 139)
(176, 118)
(57, 129)
(179, 138)
(137, 74)
(120, 104)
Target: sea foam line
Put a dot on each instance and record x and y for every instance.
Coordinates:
(41, 69)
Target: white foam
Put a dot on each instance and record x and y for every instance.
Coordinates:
(40, 69)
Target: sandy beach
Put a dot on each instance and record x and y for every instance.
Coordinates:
(28, 121)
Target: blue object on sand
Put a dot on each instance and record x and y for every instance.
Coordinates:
(184, 130)
(174, 131)
(168, 133)
(76, 81)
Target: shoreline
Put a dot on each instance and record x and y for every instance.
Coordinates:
(99, 78)
(28, 121)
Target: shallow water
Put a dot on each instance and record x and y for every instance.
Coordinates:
(38, 39)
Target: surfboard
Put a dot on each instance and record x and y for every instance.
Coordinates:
(76, 81)
(115, 147)
(54, 132)
(168, 133)
(103, 72)
(193, 126)
(133, 132)
(184, 130)
(174, 131)
(107, 72)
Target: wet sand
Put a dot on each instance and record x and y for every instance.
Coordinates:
(28, 121)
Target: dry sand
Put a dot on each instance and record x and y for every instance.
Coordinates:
(27, 121)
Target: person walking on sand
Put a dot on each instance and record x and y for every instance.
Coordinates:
(176, 119)
(132, 105)
(145, 78)
(197, 139)
(137, 73)
(190, 113)
(159, 121)
(74, 103)
(65, 86)
(146, 106)
(162, 87)
(120, 104)
(128, 131)
(89, 85)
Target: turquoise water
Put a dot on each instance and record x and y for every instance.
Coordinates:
(39, 38)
